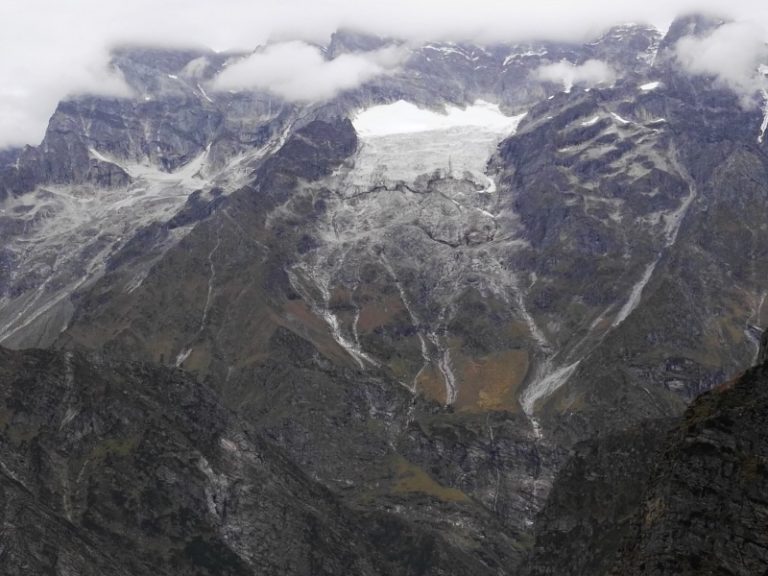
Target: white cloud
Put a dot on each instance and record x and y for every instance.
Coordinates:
(731, 54)
(51, 48)
(299, 72)
(590, 73)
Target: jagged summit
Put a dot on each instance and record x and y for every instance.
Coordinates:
(345, 41)
(692, 24)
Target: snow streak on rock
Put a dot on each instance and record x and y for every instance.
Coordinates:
(672, 223)
(544, 386)
(753, 330)
(650, 86)
(416, 323)
(187, 350)
(321, 307)
(636, 293)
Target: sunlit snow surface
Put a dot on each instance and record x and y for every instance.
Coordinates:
(404, 117)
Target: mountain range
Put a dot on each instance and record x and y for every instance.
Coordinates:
(453, 321)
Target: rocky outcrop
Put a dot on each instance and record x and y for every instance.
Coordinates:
(663, 499)
(704, 512)
(589, 515)
(683, 182)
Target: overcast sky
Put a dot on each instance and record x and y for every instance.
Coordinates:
(52, 48)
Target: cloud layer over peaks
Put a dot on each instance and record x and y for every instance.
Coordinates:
(731, 54)
(298, 71)
(50, 49)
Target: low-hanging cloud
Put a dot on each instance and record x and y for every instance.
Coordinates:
(298, 71)
(52, 48)
(731, 54)
(590, 73)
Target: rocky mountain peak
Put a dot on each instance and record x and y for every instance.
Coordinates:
(347, 40)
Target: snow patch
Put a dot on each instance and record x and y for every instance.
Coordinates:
(650, 86)
(182, 357)
(447, 49)
(636, 294)
(620, 119)
(204, 93)
(591, 121)
(518, 55)
(98, 156)
(401, 142)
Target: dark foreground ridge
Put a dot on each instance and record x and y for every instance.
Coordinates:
(692, 500)
(125, 469)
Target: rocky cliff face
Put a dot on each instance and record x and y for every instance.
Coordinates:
(687, 498)
(589, 515)
(705, 510)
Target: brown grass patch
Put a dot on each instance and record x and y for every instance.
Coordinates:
(491, 382)
(375, 314)
(410, 478)
(431, 384)
(300, 319)
(654, 510)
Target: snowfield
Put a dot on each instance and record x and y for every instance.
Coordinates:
(405, 117)
(69, 232)
(401, 141)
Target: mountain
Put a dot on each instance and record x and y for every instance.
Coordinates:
(425, 291)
